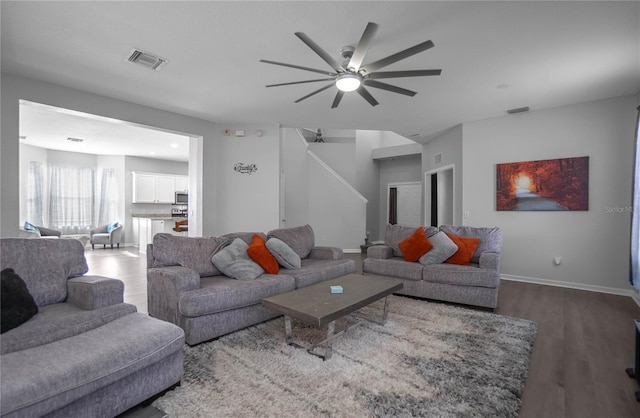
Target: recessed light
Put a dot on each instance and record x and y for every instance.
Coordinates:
(152, 153)
(503, 86)
(174, 145)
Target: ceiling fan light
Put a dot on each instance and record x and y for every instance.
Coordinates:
(348, 82)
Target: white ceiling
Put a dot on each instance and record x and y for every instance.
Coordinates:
(493, 55)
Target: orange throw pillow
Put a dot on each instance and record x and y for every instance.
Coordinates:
(466, 248)
(415, 245)
(260, 254)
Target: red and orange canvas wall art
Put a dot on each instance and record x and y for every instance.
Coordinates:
(543, 185)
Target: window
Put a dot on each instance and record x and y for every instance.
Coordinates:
(71, 199)
(34, 193)
(108, 202)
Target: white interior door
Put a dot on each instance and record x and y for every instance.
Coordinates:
(409, 203)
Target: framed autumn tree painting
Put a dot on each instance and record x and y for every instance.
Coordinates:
(544, 185)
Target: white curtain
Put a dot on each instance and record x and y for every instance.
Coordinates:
(108, 201)
(34, 194)
(635, 214)
(71, 199)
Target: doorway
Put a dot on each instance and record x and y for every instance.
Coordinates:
(439, 203)
(403, 203)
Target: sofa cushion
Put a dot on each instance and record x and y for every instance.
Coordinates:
(394, 234)
(490, 238)
(393, 267)
(466, 247)
(443, 248)
(59, 321)
(42, 379)
(44, 265)
(286, 257)
(190, 252)
(234, 261)
(415, 245)
(458, 275)
(17, 304)
(301, 239)
(259, 253)
(220, 293)
(314, 271)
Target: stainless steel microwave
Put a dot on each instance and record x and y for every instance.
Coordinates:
(182, 198)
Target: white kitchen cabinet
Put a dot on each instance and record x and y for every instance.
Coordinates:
(181, 183)
(148, 228)
(153, 188)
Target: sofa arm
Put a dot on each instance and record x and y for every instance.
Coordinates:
(164, 286)
(380, 251)
(94, 292)
(326, 253)
(490, 261)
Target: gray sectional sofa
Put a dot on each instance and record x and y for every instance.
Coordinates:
(476, 284)
(184, 287)
(84, 353)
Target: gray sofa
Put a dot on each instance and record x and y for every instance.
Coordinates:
(185, 288)
(84, 353)
(476, 284)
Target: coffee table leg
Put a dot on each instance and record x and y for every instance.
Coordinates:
(330, 332)
(384, 311)
(287, 329)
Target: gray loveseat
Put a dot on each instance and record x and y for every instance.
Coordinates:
(85, 353)
(476, 284)
(185, 288)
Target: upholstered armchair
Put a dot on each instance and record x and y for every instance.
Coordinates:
(108, 234)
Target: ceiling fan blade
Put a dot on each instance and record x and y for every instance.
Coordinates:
(336, 101)
(321, 52)
(298, 67)
(397, 74)
(369, 68)
(367, 96)
(389, 87)
(363, 46)
(315, 92)
(299, 82)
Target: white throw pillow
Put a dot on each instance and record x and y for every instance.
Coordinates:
(286, 257)
(234, 261)
(443, 248)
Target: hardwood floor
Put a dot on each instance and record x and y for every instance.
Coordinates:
(585, 340)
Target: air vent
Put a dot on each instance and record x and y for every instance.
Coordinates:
(438, 158)
(518, 110)
(147, 60)
(75, 139)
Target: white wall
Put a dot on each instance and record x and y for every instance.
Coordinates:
(296, 178)
(339, 156)
(593, 244)
(247, 202)
(368, 177)
(16, 88)
(397, 170)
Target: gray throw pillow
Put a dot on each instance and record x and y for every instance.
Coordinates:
(286, 257)
(443, 248)
(234, 261)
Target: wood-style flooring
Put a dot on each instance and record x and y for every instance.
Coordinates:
(585, 340)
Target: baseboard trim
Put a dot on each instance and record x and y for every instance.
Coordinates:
(578, 286)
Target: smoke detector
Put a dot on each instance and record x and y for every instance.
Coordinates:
(147, 60)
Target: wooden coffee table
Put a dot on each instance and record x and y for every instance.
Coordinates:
(316, 305)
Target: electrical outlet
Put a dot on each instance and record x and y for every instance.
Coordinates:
(467, 215)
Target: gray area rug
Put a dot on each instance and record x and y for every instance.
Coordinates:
(429, 360)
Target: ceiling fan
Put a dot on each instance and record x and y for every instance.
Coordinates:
(351, 75)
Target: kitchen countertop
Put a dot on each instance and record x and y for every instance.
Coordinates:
(160, 217)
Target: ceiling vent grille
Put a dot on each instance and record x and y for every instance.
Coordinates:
(147, 60)
(518, 110)
(75, 139)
